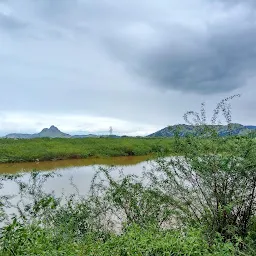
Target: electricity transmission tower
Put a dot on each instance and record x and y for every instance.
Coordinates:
(110, 130)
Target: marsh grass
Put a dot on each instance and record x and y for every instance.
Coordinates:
(43, 149)
(200, 203)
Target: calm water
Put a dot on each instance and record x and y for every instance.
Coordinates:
(81, 171)
(69, 164)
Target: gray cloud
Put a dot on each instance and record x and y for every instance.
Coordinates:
(138, 61)
(219, 63)
(219, 58)
(236, 2)
(10, 23)
(58, 11)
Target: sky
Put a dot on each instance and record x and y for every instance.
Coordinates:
(138, 66)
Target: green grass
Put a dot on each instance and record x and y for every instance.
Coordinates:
(206, 200)
(45, 149)
(81, 226)
(133, 242)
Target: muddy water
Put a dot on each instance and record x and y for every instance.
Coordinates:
(80, 171)
(13, 168)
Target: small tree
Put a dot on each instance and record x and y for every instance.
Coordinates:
(214, 180)
(130, 200)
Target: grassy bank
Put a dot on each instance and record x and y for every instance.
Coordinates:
(192, 211)
(203, 203)
(135, 241)
(44, 149)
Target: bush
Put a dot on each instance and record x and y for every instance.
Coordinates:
(200, 203)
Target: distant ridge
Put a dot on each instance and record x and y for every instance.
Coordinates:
(52, 132)
(237, 129)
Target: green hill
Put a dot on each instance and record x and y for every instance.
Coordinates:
(52, 132)
(222, 130)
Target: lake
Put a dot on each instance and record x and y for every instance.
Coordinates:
(81, 171)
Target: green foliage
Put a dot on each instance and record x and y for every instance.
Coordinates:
(130, 200)
(154, 242)
(43, 149)
(201, 202)
(18, 239)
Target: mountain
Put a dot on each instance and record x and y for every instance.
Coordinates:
(95, 136)
(223, 130)
(52, 132)
(169, 131)
(251, 127)
(86, 136)
(20, 136)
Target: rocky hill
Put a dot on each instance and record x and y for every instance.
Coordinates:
(52, 132)
(223, 130)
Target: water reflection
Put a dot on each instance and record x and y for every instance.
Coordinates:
(74, 163)
(81, 172)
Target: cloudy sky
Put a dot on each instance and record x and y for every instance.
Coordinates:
(136, 65)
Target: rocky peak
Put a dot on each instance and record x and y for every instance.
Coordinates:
(54, 129)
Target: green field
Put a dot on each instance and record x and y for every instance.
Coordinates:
(44, 149)
(206, 207)
(203, 203)
(47, 149)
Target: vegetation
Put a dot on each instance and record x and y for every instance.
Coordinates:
(44, 149)
(47, 149)
(186, 129)
(84, 226)
(200, 203)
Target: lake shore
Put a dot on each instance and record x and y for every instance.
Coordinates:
(46, 149)
(122, 161)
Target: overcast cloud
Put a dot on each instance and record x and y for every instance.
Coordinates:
(85, 65)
